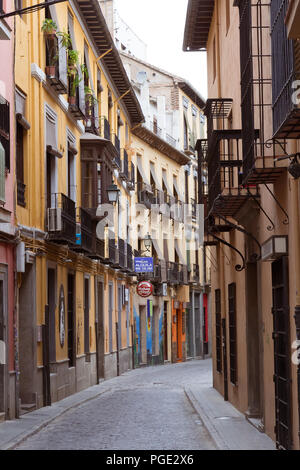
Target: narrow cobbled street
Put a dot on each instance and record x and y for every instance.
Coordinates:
(143, 409)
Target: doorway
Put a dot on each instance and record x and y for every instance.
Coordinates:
(282, 366)
(100, 330)
(165, 330)
(179, 334)
(3, 341)
(143, 335)
(225, 367)
(71, 320)
(51, 304)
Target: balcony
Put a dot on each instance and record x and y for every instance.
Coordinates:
(171, 140)
(159, 274)
(130, 263)
(56, 64)
(172, 273)
(105, 128)
(91, 121)
(122, 249)
(76, 106)
(226, 195)
(194, 274)
(117, 159)
(131, 182)
(84, 235)
(21, 188)
(285, 71)
(62, 219)
(183, 274)
(124, 174)
(145, 194)
(155, 129)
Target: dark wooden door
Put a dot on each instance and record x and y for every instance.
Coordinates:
(165, 331)
(51, 305)
(225, 367)
(71, 320)
(282, 349)
(2, 347)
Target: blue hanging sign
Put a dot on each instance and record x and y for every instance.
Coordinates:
(143, 265)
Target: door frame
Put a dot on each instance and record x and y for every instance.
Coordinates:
(4, 279)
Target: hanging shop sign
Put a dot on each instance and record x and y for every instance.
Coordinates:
(62, 316)
(144, 289)
(143, 265)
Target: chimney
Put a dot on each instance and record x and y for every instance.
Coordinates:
(107, 8)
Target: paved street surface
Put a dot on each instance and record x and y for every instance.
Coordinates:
(143, 409)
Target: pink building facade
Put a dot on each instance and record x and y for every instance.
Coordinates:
(8, 321)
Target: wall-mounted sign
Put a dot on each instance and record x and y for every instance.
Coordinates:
(62, 316)
(143, 265)
(144, 289)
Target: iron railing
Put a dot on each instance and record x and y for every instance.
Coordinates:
(171, 140)
(62, 219)
(21, 188)
(124, 166)
(285, 71)
(172, 272)
(85, 238)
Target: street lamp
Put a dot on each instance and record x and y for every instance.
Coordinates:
(113, 193)
(147, 242)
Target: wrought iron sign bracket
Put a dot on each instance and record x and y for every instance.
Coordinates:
(254, 256)
(286, 220)
(238, 267)
(271, 227)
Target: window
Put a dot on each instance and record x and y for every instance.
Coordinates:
(5, 129)
(186, 174)
(1, 6)
(232, 332)
(20, 165)
(218, 330)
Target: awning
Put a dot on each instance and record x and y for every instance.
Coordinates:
(24, 123)
(53, 151)
(156, 248)
(165, 180)
(141, 170)
(180, 195)
(156, 180)
(179, 253)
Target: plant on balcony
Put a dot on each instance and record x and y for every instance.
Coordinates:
(65, 39)
(49, 28)
(74, 78)
(90, 100)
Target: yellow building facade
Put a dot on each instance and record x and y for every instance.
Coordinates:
(74, 290)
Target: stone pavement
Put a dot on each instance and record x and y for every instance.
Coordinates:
(148, 408)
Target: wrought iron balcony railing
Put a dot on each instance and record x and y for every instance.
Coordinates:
(5, 129)
(21, 188)
(84, 235)
(172, 272)
(62, 219)
(124, 174)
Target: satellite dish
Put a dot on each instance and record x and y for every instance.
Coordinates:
(141, 77)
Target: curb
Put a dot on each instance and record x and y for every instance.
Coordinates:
(211, 429)
(35, 429)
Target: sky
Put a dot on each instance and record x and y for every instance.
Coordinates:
(160, 24)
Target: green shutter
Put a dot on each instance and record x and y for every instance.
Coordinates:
(2, 173)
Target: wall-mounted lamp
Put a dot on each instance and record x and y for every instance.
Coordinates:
(274, 248)
(113, 193)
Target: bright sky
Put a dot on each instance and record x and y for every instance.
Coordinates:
(160, 24)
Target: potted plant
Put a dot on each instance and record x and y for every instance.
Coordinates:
(49, 28)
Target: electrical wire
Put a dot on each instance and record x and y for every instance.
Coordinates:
(32, 9)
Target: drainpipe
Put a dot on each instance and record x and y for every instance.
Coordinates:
(296, 255)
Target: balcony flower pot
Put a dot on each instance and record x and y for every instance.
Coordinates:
(51, 71)
(49, 28)
(72, 100)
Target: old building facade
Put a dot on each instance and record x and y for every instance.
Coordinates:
(74, 266)
(251, 193)
(8, 356)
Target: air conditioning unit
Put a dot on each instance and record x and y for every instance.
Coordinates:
(54, 220)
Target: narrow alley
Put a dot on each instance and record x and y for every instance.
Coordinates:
(170, 407)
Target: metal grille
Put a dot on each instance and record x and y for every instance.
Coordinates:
(232, 332)
(5, 129)
(281, 338)
(218, 330)
(285, 70)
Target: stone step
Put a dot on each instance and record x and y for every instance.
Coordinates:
(27, 408)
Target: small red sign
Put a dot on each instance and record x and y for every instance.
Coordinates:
(144, 289)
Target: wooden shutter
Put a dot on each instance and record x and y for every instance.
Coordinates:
(2, 173)
(62, 64)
